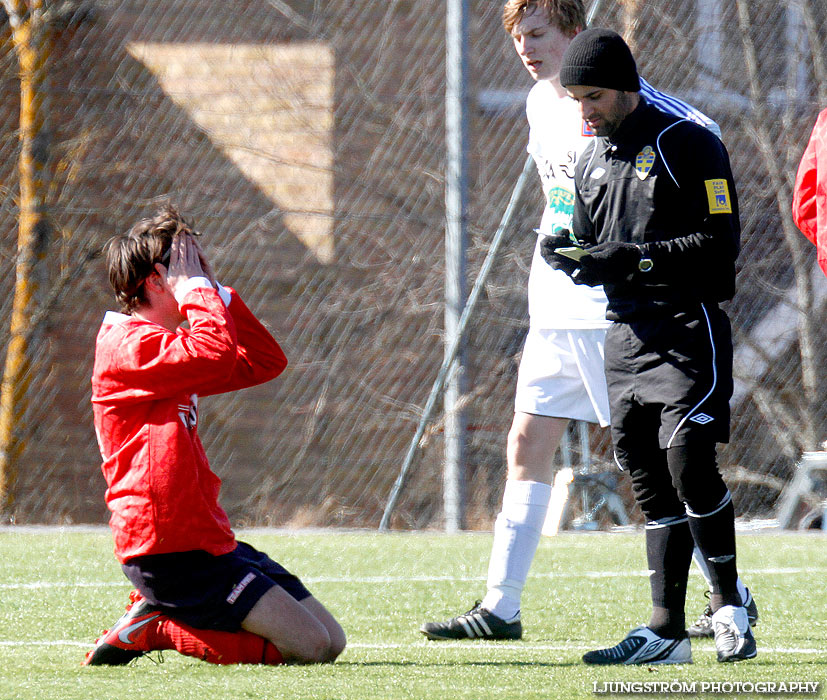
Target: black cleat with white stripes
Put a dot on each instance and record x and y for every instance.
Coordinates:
(477, 623)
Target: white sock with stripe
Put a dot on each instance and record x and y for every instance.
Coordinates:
(703, 565)
(516, 535)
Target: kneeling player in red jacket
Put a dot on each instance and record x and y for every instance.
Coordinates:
(198, 590)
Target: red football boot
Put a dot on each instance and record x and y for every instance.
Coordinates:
(130, 637)
(144, 628)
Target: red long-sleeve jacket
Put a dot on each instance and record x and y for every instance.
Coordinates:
(162, 494)
(810, 193)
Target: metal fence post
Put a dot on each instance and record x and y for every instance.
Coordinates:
(456, 219)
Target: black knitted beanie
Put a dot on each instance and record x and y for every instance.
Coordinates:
(600, 58)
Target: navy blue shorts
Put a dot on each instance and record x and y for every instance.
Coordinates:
(207, 591)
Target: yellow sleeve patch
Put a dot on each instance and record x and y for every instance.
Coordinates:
(717, 193)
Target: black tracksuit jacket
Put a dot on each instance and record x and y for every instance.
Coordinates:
(664, 183)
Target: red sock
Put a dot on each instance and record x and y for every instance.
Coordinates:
(215, 646)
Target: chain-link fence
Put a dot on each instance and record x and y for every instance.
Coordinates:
(306, 140)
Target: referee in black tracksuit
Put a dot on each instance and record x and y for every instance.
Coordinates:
(657, 211)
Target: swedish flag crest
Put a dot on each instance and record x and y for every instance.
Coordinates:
(644, 162)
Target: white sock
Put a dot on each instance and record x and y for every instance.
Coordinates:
(704, 567)
(742, 590)
(516, 535)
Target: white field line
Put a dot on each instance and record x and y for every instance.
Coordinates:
(529, 646)
(467, 646)
(642, 573)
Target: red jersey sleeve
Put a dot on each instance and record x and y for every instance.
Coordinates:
(804, 193)
(810, 191)
(259, 358)
(136, 360)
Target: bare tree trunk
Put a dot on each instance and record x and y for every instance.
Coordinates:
(816, 41)
(631, 14)
(779, 172)
(31, 42)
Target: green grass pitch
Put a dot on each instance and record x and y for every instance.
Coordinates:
(60, 588)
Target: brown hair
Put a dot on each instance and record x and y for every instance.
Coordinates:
(568, 15)
(131, 257)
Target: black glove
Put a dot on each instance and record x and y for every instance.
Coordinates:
(561, 239)
(611, 262)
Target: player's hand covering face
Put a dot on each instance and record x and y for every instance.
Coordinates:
(185, 261)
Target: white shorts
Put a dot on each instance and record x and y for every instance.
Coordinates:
(561, 375)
